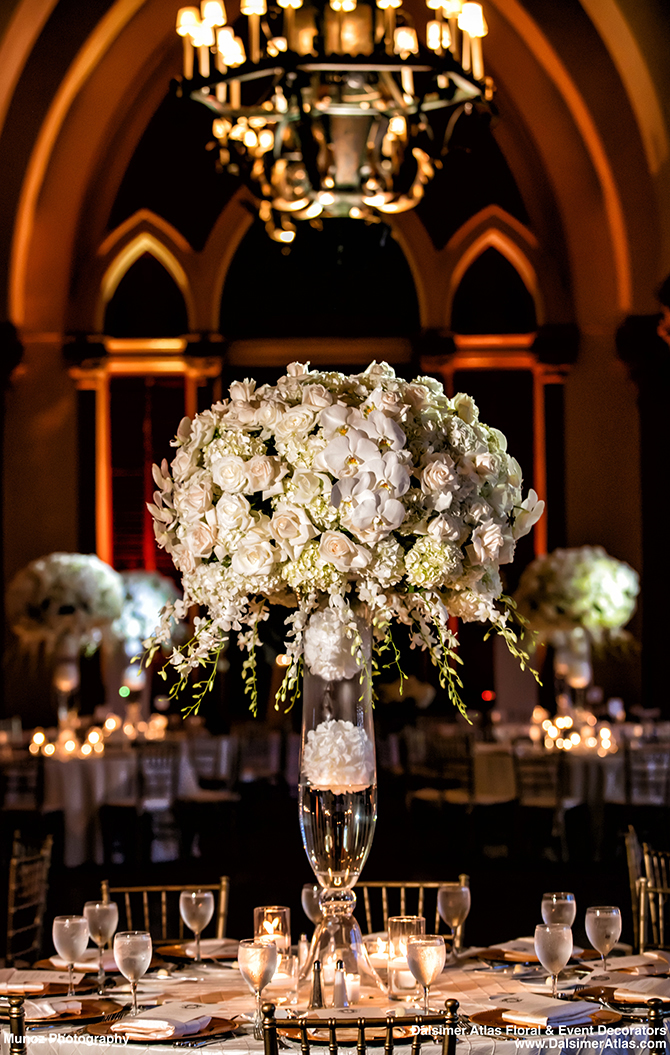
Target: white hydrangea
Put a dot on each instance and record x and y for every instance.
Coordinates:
(339, 757)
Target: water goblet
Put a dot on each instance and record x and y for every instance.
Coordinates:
(310, 902)
(132, 952)
(559, 908)
(553, 948)
(603, 928)
(70, 937)
(453, 904)
(102, 918)
(196, 908)
(257, 960)
(426, 957)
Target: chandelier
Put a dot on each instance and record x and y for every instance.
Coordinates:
(333, 107)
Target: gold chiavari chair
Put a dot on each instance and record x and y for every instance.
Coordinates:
(152, 908)
(27, 896)
(424, 1028)
(403, 898)
(634, 862)
(656, 890)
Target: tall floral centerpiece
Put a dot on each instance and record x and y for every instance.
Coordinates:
(64, 604)
(576, 598)
(145, 595)
(354, 502)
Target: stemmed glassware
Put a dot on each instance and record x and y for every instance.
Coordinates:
(196, 908)
(132, 952)
(70, 937)
(426, 957)
(603, 928)
(553, 948)
(559, 908)
(310, 902)
(257, 959)
(102, 918)
(453, 904)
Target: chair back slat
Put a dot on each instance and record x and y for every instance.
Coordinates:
(400, 898)
(28, 885)
(159, 907)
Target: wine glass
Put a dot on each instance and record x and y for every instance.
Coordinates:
(453, 904)
(553, 948)
(426, 957)
(196, 908)
(310, 902)
(257, 960)
(132, 952)
(603, 928)
(102, 918)
(559, 908)
(70, 937)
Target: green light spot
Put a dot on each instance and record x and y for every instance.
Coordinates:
(124, 691)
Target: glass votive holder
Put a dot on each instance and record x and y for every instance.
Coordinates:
(401, 982)
(274, 921)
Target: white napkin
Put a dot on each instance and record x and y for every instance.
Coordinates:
(88, 962)
(36, 1009)
(213, 947)
(646, 963)
(12, 980)
(643, 989)
(173, 1020)
(525, 1009)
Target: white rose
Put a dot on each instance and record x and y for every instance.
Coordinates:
(242, 391)
(337, 549)
(292, 529)
(254, 558)
(446, 528)
(203, 428)
(297, 421)
(185, 462)
(486, 541)
(233, 513)
(465, 407)
(316, 396)
(194, 499)
(229, 473)
(200, 539)
(417, 396)
(264, 472)
(269, 413)
(297, 369)
(438, 474)
(307, 485)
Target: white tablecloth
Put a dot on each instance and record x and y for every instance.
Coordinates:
(80, 786)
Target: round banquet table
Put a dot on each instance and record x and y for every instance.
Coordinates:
(80, 786)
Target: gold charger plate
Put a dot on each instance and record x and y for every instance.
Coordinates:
(494, 1020)
(217, 1026)
(53, 989)
(177, 951)
(91, 1010)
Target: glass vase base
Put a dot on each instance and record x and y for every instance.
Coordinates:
(338, 937)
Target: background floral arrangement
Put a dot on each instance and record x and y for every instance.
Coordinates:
(64, 595)
(145, 594)
(582, 588)
(326, 493)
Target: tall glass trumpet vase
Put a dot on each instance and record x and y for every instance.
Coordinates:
(337, 797)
